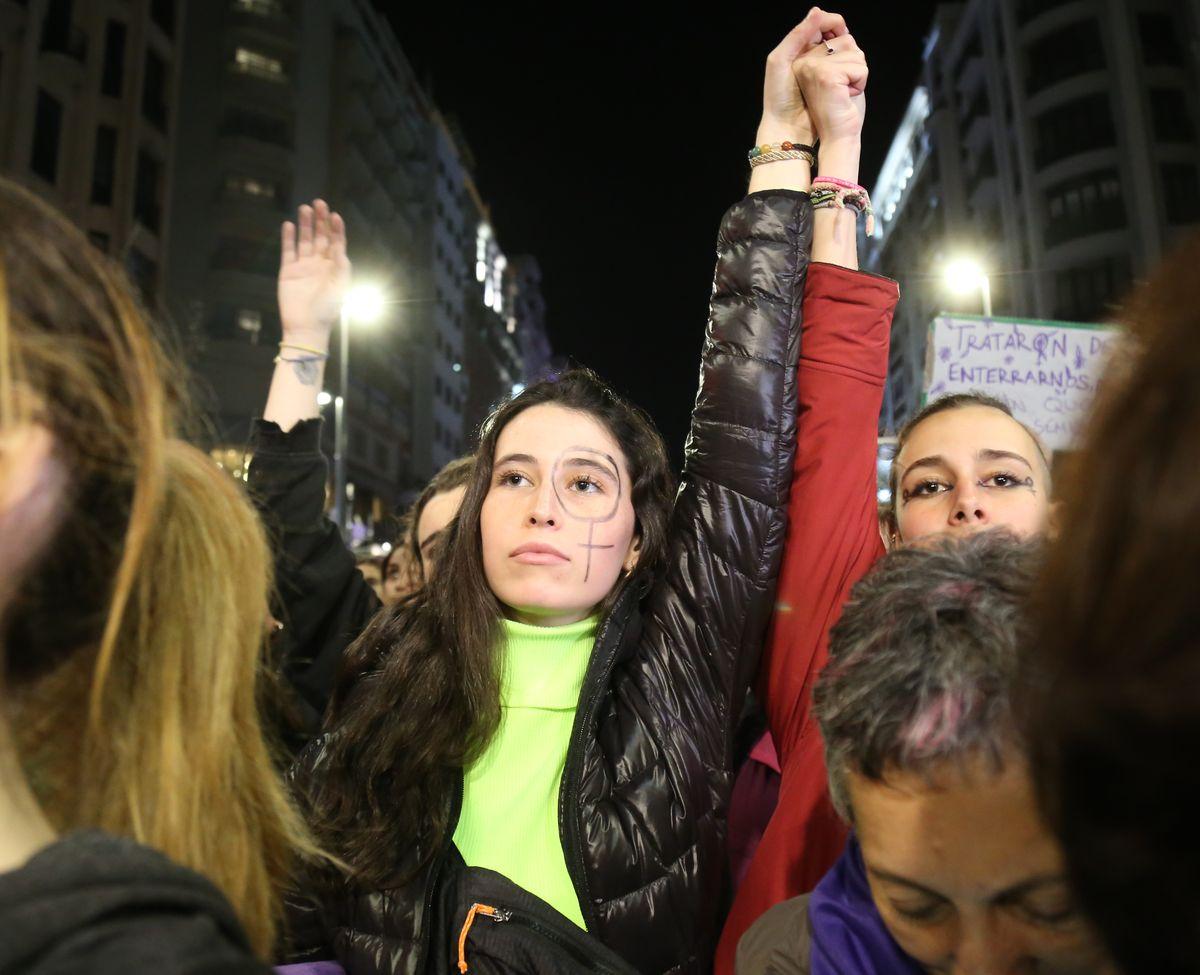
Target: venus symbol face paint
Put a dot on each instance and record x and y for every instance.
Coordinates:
(557, 524)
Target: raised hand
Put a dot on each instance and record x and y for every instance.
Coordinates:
(785, 112)
(314, 274)
(832, 77)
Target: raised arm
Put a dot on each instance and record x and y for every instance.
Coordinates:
(322, 599)
(816, 82)
(314, 273)
(833, 535)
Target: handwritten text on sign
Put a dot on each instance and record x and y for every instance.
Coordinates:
(1045, 371)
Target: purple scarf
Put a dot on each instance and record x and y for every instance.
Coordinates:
(848, 935)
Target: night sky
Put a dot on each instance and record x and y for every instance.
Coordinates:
(609, 141)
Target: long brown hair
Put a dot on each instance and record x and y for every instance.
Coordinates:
(425, 697)
(134, 648)
(1113, 679)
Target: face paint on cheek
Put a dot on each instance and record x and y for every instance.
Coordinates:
(592, 520)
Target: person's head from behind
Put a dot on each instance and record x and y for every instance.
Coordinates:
(964, 464)
(1114, 688)
(926, 762)
(133, 644)
(410, 564)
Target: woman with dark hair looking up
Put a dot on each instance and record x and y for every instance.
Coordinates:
(532, 759)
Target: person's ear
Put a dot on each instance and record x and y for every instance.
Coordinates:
(632, 556)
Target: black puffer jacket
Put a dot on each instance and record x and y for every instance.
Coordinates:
(648, 771)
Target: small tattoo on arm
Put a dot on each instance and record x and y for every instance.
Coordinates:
(306, 370)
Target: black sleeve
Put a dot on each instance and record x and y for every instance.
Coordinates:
(707, 615)
(321, 598)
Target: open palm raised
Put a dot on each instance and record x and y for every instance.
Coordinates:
(314, 273)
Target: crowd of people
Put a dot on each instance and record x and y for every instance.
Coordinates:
(519, 744)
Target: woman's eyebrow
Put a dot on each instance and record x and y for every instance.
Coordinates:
(589, 462)
(516, 459)
(1018, 891)
(905, 882)
(989, 453)
(615, 472)
(934, 460)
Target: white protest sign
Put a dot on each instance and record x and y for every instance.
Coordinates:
(1045, 371)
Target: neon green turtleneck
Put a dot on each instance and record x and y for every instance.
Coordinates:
(509, 819)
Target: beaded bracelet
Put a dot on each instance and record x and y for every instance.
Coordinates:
(770, 152)
(829, 191)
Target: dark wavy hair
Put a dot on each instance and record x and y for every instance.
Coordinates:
(421, 695)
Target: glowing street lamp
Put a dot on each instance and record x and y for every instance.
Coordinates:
(364, 303)
(963, 275)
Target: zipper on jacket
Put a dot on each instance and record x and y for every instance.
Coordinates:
(524, 919)
(476, 909)
(591, 694)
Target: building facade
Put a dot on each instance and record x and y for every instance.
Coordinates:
(285, 101)
(1056, 142)
(88, 118)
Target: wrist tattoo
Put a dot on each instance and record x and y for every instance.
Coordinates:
(306, 370)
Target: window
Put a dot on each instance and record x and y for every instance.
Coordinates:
(1181, 191)
(104, 165)
(59, 33)
(47, 131)
(1083, 124)
(146, 191)
(383, 456)
(1086, 293)
(154, 91)
(112, 76)
(1069, 51)
(261, 8)
(258, 65)
(251, 187)
(162, 12)
(1084, 205)
(250, 320)
(1170, 115)
(255, 125)
(1160, 41)
(247, 256)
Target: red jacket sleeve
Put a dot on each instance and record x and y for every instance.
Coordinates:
(833, 528)
(833, 538)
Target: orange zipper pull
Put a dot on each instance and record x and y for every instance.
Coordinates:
(476, 909)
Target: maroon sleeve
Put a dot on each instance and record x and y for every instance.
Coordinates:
(833, 538)
(833, 527)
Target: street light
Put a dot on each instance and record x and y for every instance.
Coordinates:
(963, 275)
(363, 303)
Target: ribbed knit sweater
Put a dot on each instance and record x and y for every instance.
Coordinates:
(509, 820)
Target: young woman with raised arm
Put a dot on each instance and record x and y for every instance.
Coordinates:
(533, 760)
(963, 464)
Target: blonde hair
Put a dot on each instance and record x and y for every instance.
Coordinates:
(135, 649)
